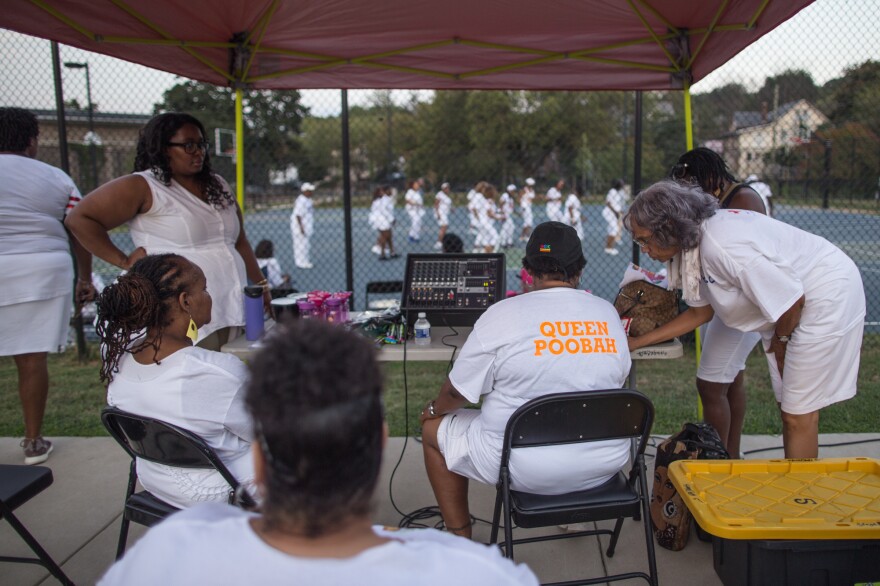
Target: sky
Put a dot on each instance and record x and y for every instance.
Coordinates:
(824, 39)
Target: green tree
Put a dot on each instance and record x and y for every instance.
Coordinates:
(854, 97)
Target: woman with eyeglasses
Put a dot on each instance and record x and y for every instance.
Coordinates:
(800, 293)
(721, 373)
(174, 203)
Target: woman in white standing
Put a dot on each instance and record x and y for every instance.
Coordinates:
(173, 202)
(37, 284)
(506, 206)
(800, 292)
(414, 206)
(442, 208)
(302, 226)
(554, 202)
(615, 202)
(147, 321)
(381, 219)
(573, 214)
(525, 205)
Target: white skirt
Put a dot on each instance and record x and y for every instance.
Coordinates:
(35, 326)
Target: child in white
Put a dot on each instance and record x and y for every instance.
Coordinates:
(506, 207)
(302, 225)
(573, 214)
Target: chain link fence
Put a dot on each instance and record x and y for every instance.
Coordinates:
(810, 133)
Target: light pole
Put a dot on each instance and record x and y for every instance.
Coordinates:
(91, 137)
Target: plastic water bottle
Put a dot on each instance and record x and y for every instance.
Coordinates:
(422, 330)
(253, 312)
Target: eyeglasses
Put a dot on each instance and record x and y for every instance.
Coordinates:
(679, 171)
(643, 243)
(191, 147)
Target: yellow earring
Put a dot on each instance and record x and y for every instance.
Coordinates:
(192, 331)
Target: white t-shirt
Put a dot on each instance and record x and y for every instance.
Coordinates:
(554, 205)
(526, 198)
(755, 268)
(507, 205)
(304, 208)
(413, 202)
(34, 247)
(272, 270)
(444, 205)
(550, 341)
(615, 201)
(181, 223)
(215, 544)
(199, 390)
(381, 213)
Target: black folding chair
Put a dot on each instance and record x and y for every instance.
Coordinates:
(381, 287)
(18, 484)
(566, 418)
(156, 441)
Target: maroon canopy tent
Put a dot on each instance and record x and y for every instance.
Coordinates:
(413, 44)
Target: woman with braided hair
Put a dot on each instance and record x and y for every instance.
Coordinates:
(147, 322)
(173, 202)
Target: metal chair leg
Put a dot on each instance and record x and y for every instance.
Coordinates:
(45, 559)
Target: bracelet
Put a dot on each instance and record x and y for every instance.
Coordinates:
(81, 280)
(264, 284)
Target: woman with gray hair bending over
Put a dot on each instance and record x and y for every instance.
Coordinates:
(802, 293)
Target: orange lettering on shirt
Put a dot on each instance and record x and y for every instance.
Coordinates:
(555, 346)
(540, 346)
(611, 345)
(586, 347)
(603, 328)
(572, 346)
(547, 329)
(591, 330)
(562, 325)
(577, 328)
(600, 347)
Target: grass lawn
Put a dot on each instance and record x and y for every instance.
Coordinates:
(76, 396)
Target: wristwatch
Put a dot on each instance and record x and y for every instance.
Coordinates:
(429, 408)
(783, 339)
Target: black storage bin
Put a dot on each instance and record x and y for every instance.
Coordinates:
(796, 562)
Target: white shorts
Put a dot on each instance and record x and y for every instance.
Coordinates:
(818, 373)
(35, 326)
(725, 351)
(452, 438)
(528, 219)
(442, 218)
(487, 235)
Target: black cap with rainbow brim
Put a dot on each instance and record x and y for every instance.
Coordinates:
(555, 240)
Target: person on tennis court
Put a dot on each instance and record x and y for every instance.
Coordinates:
(802, 294)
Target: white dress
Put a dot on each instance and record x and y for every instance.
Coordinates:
(554, 205)
(550, 341)
(615, 201)
(754, 269)
(525, 203)
(573, 214)
(414, 206)
(199, 390)
(507, 226)
(181, 223)
(216, 544)
(36, 290)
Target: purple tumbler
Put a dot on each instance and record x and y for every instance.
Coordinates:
(253, 312)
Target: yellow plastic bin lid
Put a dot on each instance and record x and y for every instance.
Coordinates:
(831, 498)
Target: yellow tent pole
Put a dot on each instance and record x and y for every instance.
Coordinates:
(689, 139)
(239, 149)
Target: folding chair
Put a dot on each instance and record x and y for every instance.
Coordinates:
(377, 287)
(156, 441)
(18, 484)
(565, 418)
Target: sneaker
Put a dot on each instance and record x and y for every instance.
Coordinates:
(36, 451)
(376, 249)
(612, 251)
(438, 246)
